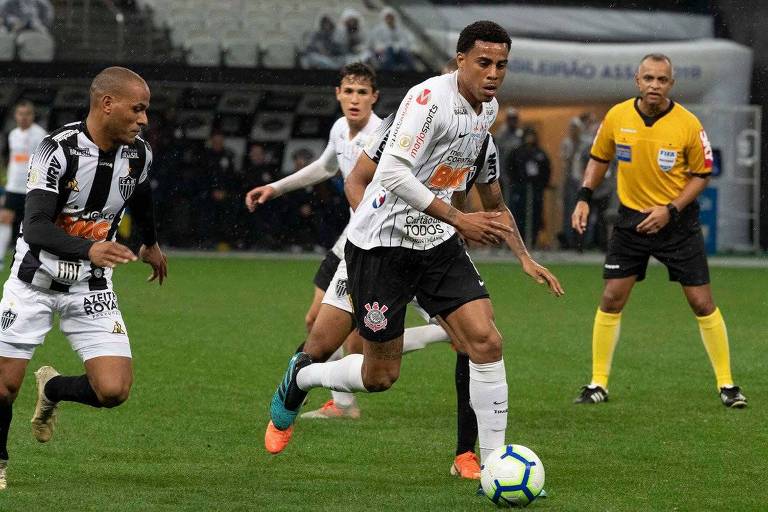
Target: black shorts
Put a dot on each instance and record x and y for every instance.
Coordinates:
(15, 202)
(325, 272)
(679, 246)
(383, 280)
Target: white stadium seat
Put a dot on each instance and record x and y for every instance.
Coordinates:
(35, 46)
(203, 51)
(279, 55)
(7, 46)
(240, 52)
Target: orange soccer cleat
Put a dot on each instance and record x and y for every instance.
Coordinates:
(466, 465)
(276, 440)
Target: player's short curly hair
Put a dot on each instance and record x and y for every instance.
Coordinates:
(488, 31)
(359, 70)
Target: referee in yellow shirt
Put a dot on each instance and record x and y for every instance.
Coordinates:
(665, 162)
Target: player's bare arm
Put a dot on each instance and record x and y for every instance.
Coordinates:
(593, 177)
(660, 215)
(358, 180)
(492, 200)
(259, 195)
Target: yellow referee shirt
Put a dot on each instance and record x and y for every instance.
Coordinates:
(656, 156)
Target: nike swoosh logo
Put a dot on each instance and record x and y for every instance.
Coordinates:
(482, 283)
(463, 135)
(499, 403)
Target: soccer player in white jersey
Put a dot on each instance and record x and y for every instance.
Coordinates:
(80, 181)
(403, 242)
(356, 93)
(22, 142)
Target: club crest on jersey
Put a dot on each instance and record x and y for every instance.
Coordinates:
(667, 159)
(375, 319)
(7, 318)
(341, 288)
(423, 97)
(126, 185)
(380, 198)
(129, 153)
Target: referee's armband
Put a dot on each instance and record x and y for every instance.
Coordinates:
(585, 194)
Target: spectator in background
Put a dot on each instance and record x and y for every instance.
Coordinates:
(220, 191)
(571, 149)
(529, 171)
(392, 46)
(19, 15)
(298, 226)
(262, 229)
(323, 51)
(508, 138)
(349, 35)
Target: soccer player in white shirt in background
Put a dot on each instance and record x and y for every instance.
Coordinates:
(403, 241)
(22, 143)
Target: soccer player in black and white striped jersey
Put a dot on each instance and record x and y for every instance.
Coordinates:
(80, 181)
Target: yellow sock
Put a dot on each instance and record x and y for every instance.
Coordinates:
(715, 338)
(605, 334)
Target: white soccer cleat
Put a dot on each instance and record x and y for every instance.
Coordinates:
(330, 410)
(44, 418)
(3, 469)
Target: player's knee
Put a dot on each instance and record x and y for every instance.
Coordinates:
(112, 394)
(486, 345)
(612, 302)
(377, 381)
(309, 321)
(702, 307)
(8, 392)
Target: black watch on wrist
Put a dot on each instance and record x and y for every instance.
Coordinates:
(674, 213)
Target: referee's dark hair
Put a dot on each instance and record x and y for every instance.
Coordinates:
(24, 104)
(658, 57)
(361, 71)
(488, 31)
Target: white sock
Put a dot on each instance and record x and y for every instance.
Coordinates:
(340, 398)
(416, 338)
(489, 399)
(5, 238)
(346, 374)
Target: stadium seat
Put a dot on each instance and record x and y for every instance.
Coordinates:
(195, 124)
(7, 46)
(272, 126)
(279, 55)
(33, 46)
(240, 52)
(202, 51)
(239, 102)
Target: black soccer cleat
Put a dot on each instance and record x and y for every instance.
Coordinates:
(591, 395)
(732, 397)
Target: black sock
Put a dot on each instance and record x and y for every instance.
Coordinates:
(466, 432)
(300, 348)
(71, 389)
(6, 413)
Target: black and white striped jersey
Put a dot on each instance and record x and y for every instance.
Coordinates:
(439, 134)
(91, 188)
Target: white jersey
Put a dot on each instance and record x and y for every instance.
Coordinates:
(343, 152)
(22, 144)
(438, 133)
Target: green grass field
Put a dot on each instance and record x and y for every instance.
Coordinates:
(210, 346)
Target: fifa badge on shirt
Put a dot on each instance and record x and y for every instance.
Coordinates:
(375, 319)
(667, 159)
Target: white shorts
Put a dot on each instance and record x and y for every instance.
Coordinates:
(91, 321)
(336, 294)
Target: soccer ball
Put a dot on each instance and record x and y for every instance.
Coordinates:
(512, 475)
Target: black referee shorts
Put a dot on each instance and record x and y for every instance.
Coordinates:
(383, 280)
(679, 246)
(325, 273)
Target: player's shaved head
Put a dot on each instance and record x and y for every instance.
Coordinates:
(116, 82)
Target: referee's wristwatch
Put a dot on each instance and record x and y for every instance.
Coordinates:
(674, 213)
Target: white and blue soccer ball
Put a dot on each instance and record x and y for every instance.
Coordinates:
(512, 476)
